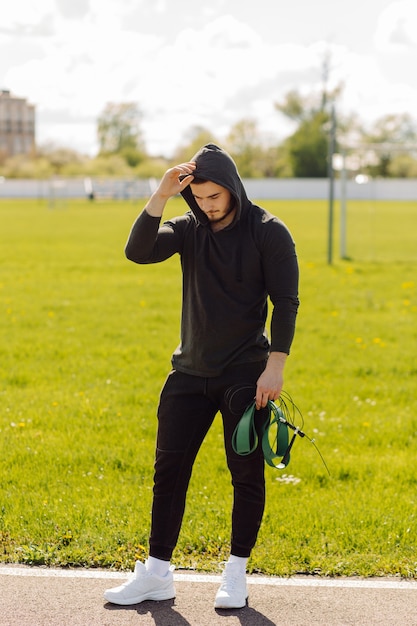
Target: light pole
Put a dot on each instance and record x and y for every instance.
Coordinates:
(332, 146)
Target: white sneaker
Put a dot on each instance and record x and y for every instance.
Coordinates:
(232, 593)
(142, 585)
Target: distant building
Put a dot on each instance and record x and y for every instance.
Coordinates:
(17, 125)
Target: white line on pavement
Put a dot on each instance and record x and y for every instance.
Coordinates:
(348, 583)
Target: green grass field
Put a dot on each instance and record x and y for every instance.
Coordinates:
(85, 344)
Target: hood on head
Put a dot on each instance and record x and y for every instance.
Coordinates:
(217, 166)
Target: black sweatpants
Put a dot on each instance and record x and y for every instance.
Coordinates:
(187, 408)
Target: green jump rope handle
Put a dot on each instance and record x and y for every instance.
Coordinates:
(245, 437)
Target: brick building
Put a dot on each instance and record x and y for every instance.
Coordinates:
(17, 125)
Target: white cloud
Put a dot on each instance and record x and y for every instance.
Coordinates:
(396, 27)
(205, 70)
(71, 57)
(26, 14)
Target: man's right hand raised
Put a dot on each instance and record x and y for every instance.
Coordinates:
(172, 183)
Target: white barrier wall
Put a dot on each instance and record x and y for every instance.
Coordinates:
(268, 188)
(318, 188)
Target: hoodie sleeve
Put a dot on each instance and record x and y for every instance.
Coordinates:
(281, 280)
(148, 242)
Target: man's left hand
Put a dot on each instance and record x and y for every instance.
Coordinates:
(270, 382)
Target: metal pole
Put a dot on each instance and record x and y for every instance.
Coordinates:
(332, 142)
(343, 254)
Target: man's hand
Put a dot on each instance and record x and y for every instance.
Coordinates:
(271, 380)
(170, 185)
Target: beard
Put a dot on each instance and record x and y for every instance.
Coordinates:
(223, 217)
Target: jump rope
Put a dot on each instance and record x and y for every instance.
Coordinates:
(273, 432)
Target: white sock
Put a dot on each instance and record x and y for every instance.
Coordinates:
(157, 566)
(240, 560)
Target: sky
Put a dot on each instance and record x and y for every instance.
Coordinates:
(189, 63)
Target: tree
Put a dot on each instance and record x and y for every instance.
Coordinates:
(403, 166)
(118, 130)
(307, 147)
(63, 161)
(244, 143)
(255, 158)
(196, 137)
(295, 106)
(392, 142)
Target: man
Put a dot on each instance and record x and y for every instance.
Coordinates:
(233, 255)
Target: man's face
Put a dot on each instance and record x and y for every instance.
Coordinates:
(215, 201)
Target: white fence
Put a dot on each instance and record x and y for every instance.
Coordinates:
(266, 188)
(318, 188)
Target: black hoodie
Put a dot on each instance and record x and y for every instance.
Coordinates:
(227, 275)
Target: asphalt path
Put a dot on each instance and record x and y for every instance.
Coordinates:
(49, 597)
